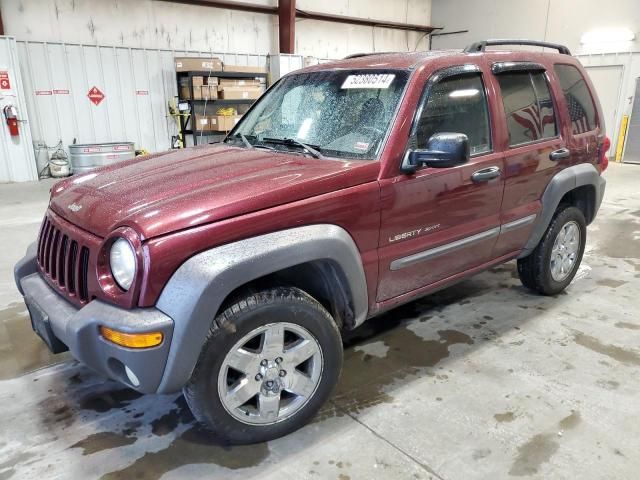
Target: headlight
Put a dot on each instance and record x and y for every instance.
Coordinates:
(122, 260)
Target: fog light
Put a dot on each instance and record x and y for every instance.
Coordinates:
(131, 376)
(132, 340)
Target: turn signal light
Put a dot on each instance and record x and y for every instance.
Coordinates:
(132, 340)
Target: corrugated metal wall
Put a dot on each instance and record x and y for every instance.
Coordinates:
(136, 83)
(17, 163)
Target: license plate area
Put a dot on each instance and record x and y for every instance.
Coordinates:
(42, 326)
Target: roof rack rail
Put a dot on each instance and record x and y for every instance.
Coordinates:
(480, 46)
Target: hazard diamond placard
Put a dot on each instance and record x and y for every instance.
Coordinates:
(4, 81)
(95, 95)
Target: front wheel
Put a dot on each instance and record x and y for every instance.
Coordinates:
(269, 363)
(550, 268)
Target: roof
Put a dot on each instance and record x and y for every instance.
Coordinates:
(405, 60)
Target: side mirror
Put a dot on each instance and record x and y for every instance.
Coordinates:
(443, 150)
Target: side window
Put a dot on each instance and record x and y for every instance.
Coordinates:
(457, 104)
(582, 111)
(528, 107)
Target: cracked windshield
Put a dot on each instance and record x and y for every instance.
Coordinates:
(340, 114)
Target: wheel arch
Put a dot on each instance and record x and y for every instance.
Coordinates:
(579, 185)
(199, 288)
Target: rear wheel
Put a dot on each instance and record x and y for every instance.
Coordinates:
(550, 268)
(269, 363)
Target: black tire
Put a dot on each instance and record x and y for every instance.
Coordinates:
(281, 304)
(535, 269)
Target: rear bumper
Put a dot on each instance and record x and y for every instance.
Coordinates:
(62, 325)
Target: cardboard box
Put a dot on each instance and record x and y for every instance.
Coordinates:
(224, 123)
(199, 81)
(244, 69)
(209, 92)
(239, 82)
(185, 93)
(202, 123)
(197, 64)
(197, 93)
(239, 93)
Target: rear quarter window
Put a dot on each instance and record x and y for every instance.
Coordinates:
(582, 110)
(528, 107)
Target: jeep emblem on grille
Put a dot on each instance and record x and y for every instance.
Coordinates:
(75, 207)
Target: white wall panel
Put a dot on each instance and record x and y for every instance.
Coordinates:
(17, 163)
(137, 84)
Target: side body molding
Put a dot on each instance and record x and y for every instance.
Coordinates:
(563, 182)
(196, 290)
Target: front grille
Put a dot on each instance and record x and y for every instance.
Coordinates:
(64, 260)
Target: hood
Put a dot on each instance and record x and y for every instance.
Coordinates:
(180, 189)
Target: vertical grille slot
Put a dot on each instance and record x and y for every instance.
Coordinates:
(47, 249)
(43, 234)
(55, 244)
(62, 257)
(71, 267)
(84, 270)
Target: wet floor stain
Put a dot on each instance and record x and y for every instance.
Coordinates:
(537, 451)
(97, 442)
(540, 448)
(481, 453)
(611, 283)
(21, 350)
(620, 354)
(571, 421)
(618, 238)
(194, 446)
(505, 417)
(608, 384)
(365, 378)
(168, 422)
(102, 402)
(630, 326)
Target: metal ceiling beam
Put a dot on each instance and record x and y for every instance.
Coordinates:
(367, 22)
(230, 5)
(305, 14)
(287, 25)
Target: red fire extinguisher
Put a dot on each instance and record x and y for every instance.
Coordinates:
(11, 116)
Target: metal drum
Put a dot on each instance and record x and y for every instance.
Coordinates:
(86, 157)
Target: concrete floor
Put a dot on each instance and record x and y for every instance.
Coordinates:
(482, 380)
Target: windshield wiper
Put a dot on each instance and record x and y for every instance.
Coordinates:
(292, 141)
(239, 135)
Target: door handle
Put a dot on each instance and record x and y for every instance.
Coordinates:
(485, 174)
(559, 154)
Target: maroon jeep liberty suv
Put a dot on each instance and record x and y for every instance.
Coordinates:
(230, 271)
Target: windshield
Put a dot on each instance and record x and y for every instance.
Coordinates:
(343, 114)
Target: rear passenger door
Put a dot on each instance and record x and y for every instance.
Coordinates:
(534, 148)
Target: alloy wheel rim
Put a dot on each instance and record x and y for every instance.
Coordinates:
(564, 253)
(270, 374)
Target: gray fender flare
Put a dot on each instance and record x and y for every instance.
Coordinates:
(563, 182)
(196, 290)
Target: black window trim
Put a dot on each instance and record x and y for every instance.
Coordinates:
(558, 135)
(598, 124)
(507, 67)
(438, 76)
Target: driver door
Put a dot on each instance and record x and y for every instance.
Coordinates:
(439, 222)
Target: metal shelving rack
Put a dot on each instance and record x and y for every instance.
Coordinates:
(186, 122)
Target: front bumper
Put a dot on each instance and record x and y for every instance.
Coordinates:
(62, 325)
